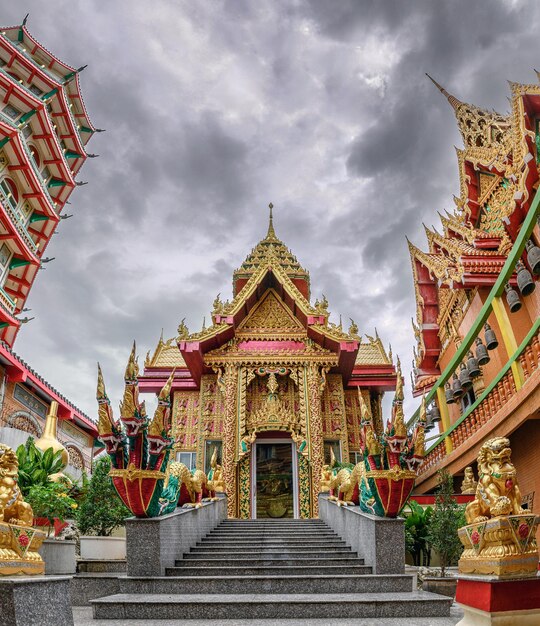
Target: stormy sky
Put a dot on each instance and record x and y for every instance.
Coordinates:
(212, 110)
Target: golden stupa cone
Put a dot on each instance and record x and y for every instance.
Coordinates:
(48, 439)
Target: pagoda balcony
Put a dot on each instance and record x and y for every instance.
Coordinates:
(499, 410)
(7, 303)
(510, 398)
(18, 223)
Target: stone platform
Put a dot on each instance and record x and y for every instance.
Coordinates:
(35, 601)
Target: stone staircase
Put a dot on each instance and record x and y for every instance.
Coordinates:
(272, 569)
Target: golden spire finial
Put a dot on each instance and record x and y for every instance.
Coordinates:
(455, 103)
(271, 234)
(423, 410)
(101, 392)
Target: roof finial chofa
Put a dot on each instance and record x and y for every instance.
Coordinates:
(271, 234)
(452, 99)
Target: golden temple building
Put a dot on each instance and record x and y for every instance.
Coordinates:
(271, 385)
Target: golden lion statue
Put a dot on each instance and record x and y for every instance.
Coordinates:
(13, 509)
(497, 492)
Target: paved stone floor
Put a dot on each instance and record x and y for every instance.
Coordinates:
(83, 617)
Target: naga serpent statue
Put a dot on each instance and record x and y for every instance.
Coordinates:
(139, 448)
(382, 482)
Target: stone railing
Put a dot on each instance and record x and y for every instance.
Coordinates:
(7, 302)
(18, 223)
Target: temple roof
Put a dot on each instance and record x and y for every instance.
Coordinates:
(498, 176)
(270, 245)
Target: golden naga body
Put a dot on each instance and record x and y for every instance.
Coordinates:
(19, 542)
(500, 538)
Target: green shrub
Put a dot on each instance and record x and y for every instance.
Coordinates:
(416, 530)
(447, 517)
(51, 501)
(101, 510)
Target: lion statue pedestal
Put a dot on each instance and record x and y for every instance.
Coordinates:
(19, 542)
(498, 579)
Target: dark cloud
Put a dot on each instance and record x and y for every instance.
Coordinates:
(214, 109)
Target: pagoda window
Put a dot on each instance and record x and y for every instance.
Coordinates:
(36, 90)
(11, 192)
(16, 77)
(334, 445)
(189, 459)
(5, 258)
(46, 174)
(355, 457)
(209, 447)
(35, 155)
(27, 131)
(11, 111)
(467, 399)
(2, 62)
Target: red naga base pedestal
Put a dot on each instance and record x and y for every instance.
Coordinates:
(490, 601)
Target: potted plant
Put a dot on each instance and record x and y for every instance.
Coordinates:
(100, 513)
(442, 535)
(52, 502)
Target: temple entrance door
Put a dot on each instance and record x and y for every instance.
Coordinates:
(275, 477)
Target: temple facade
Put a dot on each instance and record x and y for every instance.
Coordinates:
(271, 385)
(477, 305)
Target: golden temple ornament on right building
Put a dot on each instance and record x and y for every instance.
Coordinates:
(500, 536)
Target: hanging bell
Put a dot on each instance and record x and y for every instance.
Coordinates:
(512, 298)
(472, 365)
(464, 377)
(524, 279)
(448, 395)
(482, 355)
(490, 337)
(435, 413)
(428, 426)
(457, 389)
(533, 257)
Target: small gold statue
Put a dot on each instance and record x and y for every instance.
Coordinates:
(19, 542)
(469, 484)
(500, 538)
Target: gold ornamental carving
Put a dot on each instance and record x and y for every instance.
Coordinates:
(500, 538)
(19, 542)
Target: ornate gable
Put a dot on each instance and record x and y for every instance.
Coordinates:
(271, 318)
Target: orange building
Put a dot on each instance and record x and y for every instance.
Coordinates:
(477, 309)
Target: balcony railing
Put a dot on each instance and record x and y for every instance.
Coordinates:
(497, 394)
(18, 222)
(7, 302)
(521, 365)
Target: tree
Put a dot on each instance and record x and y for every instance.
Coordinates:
(416, 529)
(101, 510)
(447, 517)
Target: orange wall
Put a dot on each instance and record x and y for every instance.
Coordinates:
(525, 443)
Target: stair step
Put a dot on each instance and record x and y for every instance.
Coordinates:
(210, 541)
(271, 606)
(274, 584)
(290, 549)
(271, 554)
(282, 569)
(194, 561)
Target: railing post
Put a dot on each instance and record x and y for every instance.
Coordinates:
(509, 339)
(445, 417)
